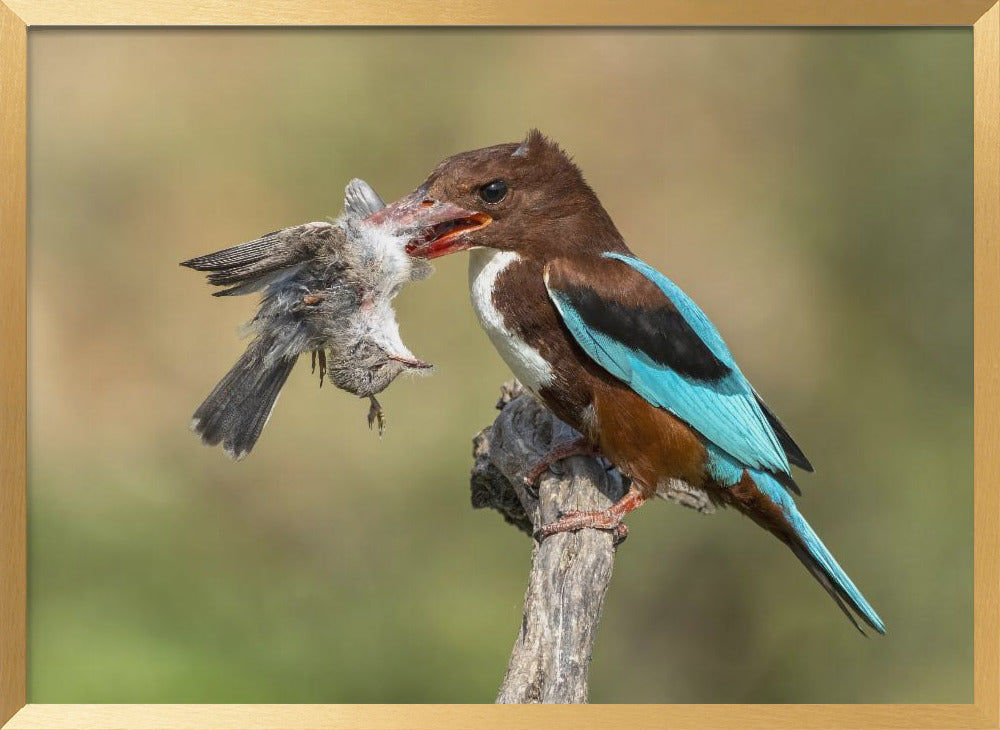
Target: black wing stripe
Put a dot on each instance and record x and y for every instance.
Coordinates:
(792, 450)
(662, 334)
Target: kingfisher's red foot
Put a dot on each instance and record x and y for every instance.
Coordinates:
(608, 519)
(576, 520)
(577, 447)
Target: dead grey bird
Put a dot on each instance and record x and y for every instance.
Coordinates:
(327, 288)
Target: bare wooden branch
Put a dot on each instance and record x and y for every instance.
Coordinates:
(570, 572)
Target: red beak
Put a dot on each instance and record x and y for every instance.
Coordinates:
(439, 228)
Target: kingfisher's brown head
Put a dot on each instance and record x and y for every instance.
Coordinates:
(526, 197)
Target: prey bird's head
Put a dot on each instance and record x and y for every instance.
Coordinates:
(526, 197)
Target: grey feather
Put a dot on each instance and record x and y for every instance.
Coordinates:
(361, 200)
(237, 409)
(326, 288)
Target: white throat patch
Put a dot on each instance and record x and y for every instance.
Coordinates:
(485, 265)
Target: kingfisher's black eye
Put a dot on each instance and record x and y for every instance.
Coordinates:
(493, 192)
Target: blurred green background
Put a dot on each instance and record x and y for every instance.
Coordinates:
(811, 189)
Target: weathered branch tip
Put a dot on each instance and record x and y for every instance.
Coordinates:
(570, 572)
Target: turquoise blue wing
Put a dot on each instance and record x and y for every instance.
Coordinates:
(640, 327)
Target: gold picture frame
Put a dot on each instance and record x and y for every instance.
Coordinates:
(18, 17)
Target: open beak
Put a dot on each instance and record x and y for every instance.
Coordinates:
(438, 227)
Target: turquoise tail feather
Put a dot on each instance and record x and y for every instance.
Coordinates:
(816, 557)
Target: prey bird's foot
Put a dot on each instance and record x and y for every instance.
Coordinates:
(321, 354)
(376, 414)
(577, 447)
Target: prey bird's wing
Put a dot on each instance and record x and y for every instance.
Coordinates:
(252, 265)
(361, 200)
(640, 327)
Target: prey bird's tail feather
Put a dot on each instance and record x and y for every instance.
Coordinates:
(236, 411)
(810, 550)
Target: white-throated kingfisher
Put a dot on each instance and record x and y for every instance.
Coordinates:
(612, 346)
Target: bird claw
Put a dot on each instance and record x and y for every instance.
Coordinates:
(619, 535)
(534, 474)
(608, 519)
(322, 364)
(577, 520)
(543, 465)
(376, 415)
(577, 447)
